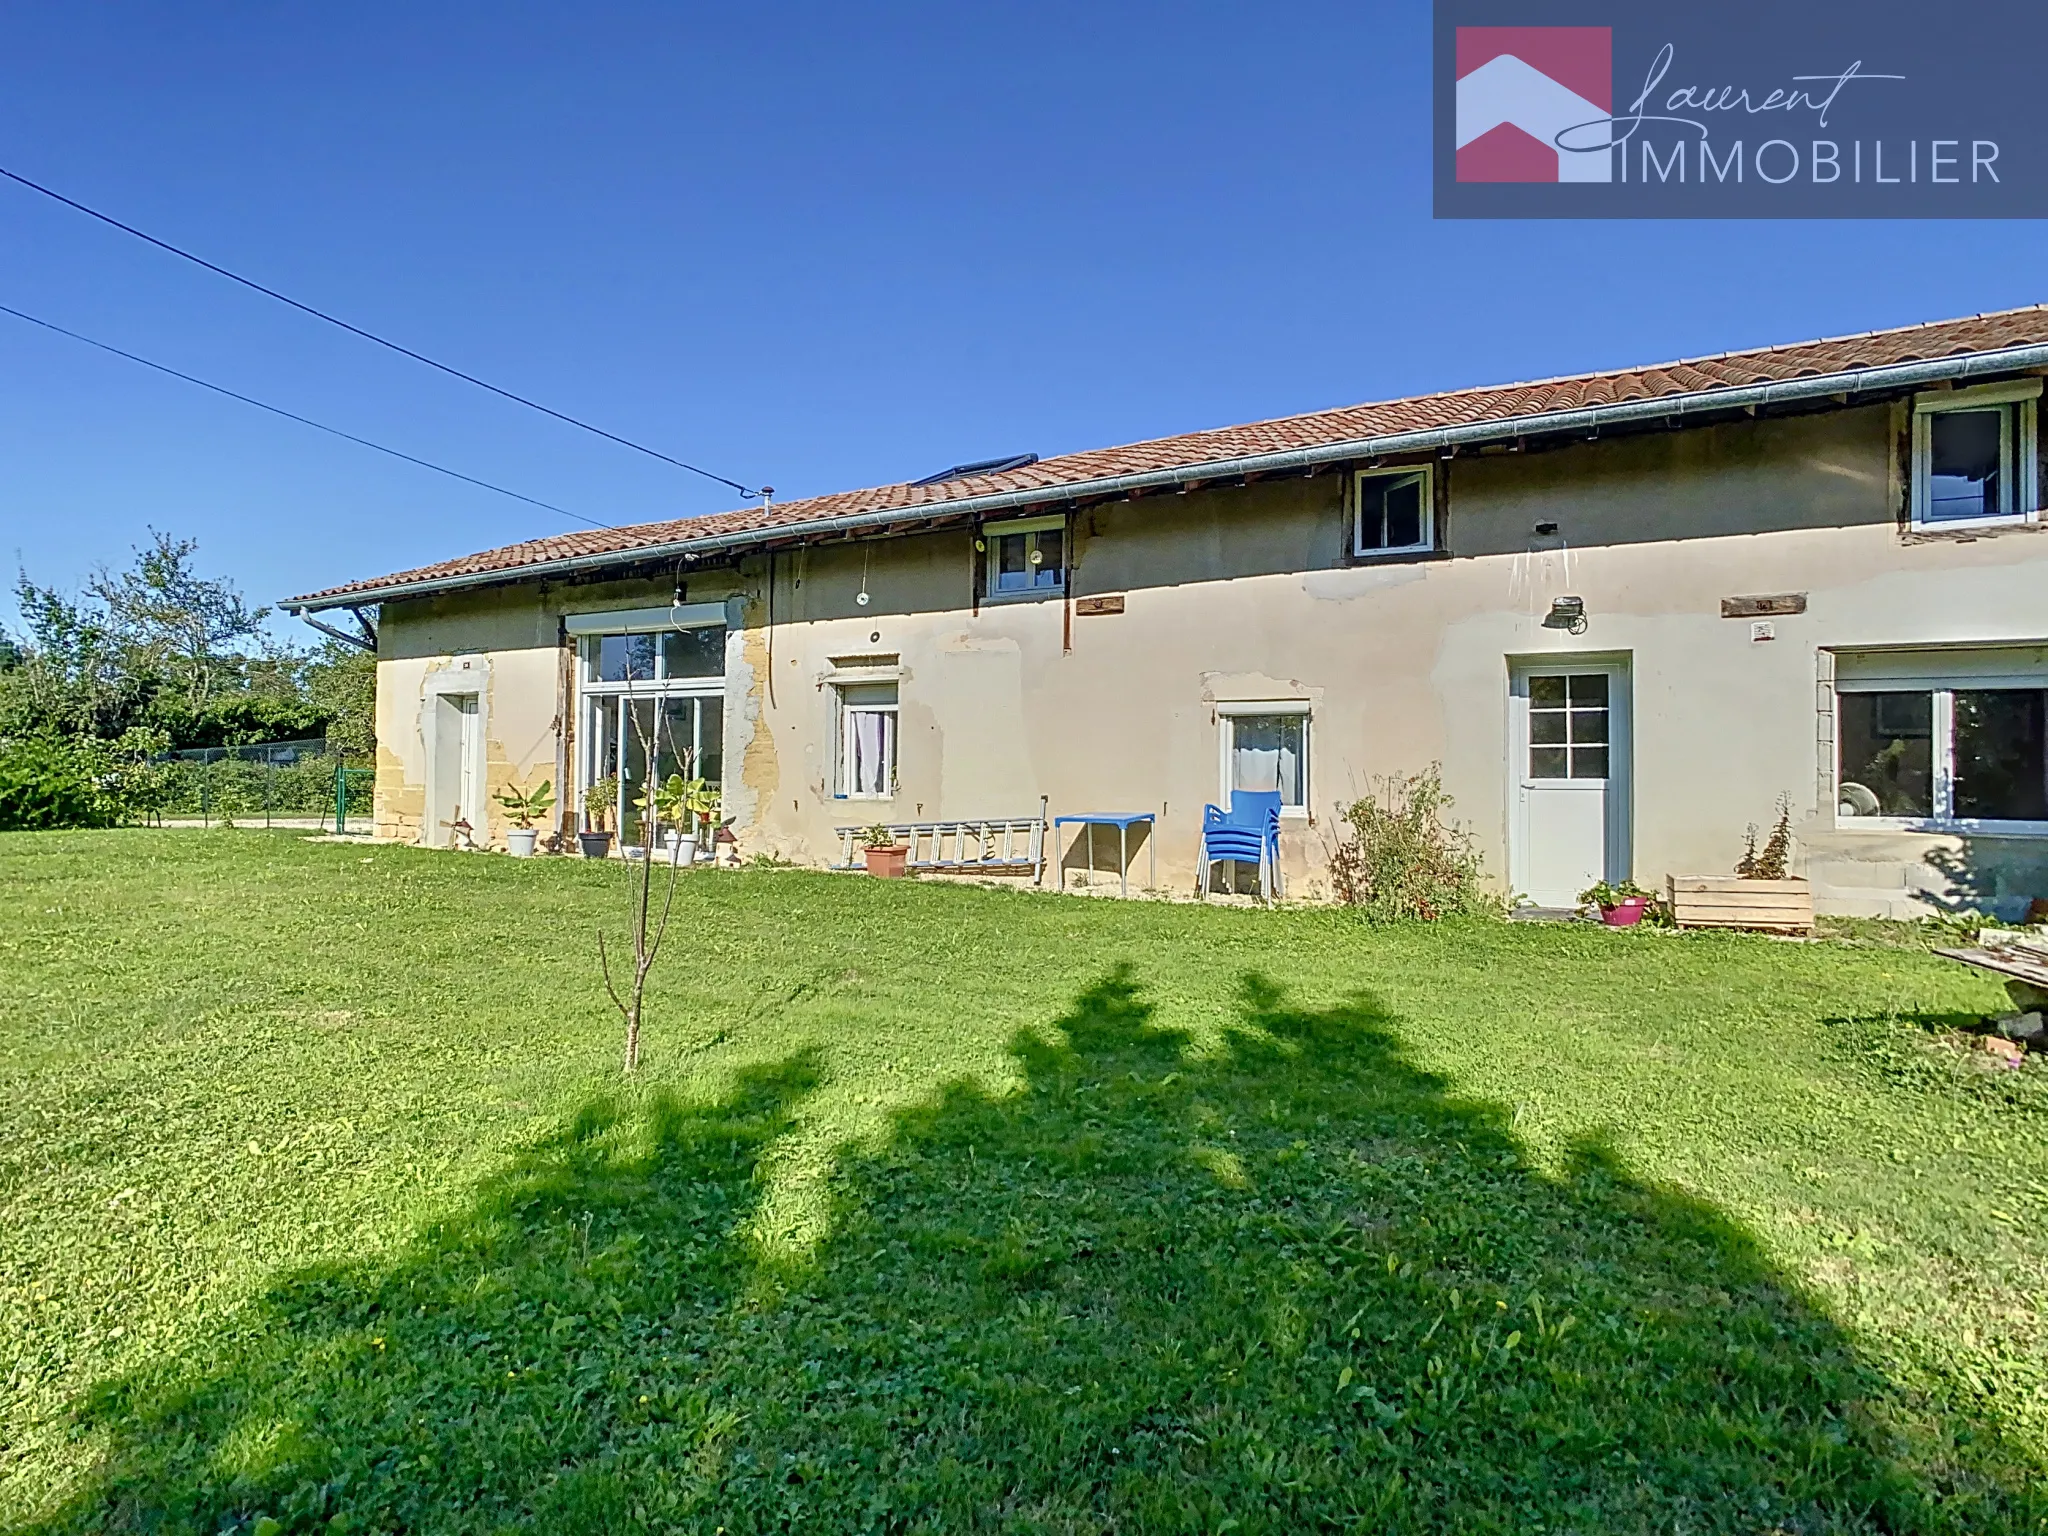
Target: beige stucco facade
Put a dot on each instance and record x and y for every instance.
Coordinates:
(1251, 593)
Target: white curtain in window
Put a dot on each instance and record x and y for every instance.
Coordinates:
(1266, 755)
(867, 752)
(1258, 768)
(868, 741)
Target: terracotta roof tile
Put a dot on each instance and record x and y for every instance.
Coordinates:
(1502, 403)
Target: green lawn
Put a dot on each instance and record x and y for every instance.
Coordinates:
(323, 1207)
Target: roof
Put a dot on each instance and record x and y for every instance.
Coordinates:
(1843, 364)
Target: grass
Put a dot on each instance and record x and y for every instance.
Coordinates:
(323, 1208)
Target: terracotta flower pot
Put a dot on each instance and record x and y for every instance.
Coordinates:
(887, 863)
(1625, 914)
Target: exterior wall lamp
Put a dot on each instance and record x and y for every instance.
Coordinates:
(1566, 613)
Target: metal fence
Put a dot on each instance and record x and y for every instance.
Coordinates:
(291, 781)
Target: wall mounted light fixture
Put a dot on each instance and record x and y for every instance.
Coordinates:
(1566, 613)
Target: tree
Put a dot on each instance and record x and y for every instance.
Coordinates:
(340, 683)
(645, 931)
(71, 677)
(160, 645)
(176, 624)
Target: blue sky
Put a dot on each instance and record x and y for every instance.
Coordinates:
(816, 246)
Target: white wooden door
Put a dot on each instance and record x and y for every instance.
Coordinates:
(469, 794)
(455, 772)
(1570, 745)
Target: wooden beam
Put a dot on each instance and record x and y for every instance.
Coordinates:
(1773, 605)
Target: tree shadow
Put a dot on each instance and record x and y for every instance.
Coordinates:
(2001, 876)
(473, 1381)
(1291, 1282)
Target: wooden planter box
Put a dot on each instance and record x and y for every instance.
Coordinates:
(1729, 901)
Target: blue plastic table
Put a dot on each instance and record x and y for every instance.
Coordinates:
(1123, 821)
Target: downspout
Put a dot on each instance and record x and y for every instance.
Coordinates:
(359, 642)
(565, 729)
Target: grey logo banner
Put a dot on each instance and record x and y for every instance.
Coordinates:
(1845, 109)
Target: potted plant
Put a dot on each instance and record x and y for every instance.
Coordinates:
(525, 806)
(885, 856)
(701, 803)
(671, 803)
(598, 803)
(1621, 903)
(1760, 894)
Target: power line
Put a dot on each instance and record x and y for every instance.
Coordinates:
(305, 421)
(748, 492)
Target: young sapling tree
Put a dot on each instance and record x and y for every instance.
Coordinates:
(643, 930)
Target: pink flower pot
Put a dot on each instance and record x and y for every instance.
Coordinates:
(1625, 914)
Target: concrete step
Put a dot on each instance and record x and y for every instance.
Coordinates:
(1888, 901)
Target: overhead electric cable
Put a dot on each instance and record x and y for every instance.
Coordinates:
(306, 421)
(749, 493)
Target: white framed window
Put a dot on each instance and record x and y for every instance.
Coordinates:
(867, 741)
(1024, 558)
(1266, 747)
(1394, 511)
(1976, 458)
(1568, 725)
(651, 701)
(1918, 750)
(686, 656)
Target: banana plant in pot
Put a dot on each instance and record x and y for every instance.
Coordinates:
(685, 808)
(525, 806)
(702, 802)
(667, 804)
(599, 801)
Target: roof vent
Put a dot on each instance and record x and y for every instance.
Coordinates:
(979, 467)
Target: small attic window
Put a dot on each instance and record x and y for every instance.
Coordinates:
(1394, 512)
(1975, 455)
(1026, 558)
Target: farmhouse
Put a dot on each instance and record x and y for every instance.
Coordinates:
(1625, 611)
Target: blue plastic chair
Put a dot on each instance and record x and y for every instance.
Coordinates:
(1249, 831)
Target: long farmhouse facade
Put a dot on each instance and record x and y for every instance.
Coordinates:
(1625, 611)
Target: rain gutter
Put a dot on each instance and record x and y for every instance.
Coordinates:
(1584, 419)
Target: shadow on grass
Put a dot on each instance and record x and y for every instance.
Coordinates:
(1291, 1284)
(1930, 1051)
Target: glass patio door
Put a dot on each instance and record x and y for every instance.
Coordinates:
(682, 732)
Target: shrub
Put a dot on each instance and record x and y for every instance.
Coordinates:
(1402, 858)
(49, 784)
(1771, 863)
